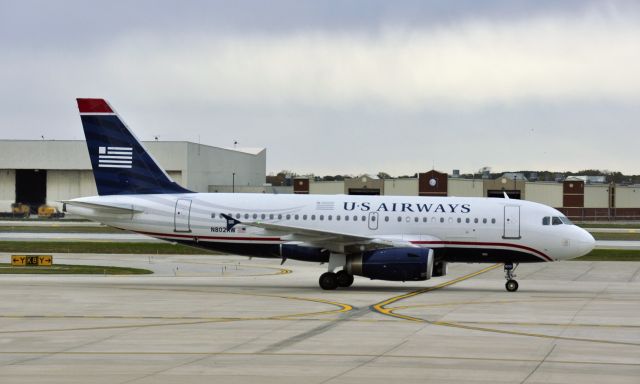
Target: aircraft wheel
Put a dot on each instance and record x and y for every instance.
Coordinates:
(344, 279)
(512, 285)
(328, 281)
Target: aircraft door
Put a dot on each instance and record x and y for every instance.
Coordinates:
(373, 220)
(511, 222)
(182, 216)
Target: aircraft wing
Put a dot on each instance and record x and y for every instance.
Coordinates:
(336, 241)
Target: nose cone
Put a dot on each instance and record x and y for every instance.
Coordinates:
(585, 243)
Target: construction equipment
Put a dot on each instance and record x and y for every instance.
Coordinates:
(20, 210)
(48, 212)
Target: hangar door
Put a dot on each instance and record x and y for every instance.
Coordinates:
(31, 187)
(511, 222)
(182, 215)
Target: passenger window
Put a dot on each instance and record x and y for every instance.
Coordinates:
(459, 220)
(237, 215)
(337, 217)
(321, 217)
(263, 216)
(288, 217)
(304, 217)
(279, 217)
(213, 215)
(399, 219)
(424, 219)
(346, 218)
(355, 218)
(296, 217)
(442, 219)
(467, 220)
(364, 218)
(475, 221)
(271, 216)
(484, 221)
(386, 218)
(493, 221)
(546, 220)
(255, 216)
(451, 220)
(329, 217)
(313, 217)
(555, 220)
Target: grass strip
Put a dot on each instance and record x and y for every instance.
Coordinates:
(178, 249)
(609, 225)
(616, 236)
(65, 269)
(100, 247)
(60, 229)
(611, 255)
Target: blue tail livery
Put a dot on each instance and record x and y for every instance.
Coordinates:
(121, 165)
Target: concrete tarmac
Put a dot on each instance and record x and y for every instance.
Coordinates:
(227, 319)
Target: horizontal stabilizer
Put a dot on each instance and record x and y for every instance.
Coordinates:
(113, 209)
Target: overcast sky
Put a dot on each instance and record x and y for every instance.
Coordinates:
(339, 87)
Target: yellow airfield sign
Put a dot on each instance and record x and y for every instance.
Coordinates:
(31, 260)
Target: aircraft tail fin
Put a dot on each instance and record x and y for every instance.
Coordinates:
(121, 165)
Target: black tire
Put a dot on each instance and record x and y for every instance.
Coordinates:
(328, 281)
(345, 279)
(511, 285)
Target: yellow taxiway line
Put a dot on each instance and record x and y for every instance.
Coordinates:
(382, 307)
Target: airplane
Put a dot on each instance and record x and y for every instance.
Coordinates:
(394, 238)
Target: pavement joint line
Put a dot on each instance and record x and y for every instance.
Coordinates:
(311, 354)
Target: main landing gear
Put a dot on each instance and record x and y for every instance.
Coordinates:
(509, 274)
(331, 280)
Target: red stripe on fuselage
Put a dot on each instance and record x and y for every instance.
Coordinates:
(226, 238)
(273, 239)
(508, 245)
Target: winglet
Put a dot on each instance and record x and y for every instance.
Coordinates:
(505, 195)
(231, 222)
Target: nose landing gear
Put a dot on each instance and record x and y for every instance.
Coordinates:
(509, 274)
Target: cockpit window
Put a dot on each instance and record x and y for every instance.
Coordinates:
(556, 220)
(566, 220)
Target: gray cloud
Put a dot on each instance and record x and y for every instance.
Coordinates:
(339, 87)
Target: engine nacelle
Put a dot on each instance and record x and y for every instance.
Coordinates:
(302, 253)
(395, 264)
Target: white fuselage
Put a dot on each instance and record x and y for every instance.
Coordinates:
(470, 229)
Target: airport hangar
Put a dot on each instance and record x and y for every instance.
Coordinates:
(580, 198)
(36, 172)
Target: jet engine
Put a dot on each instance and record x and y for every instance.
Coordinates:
(395, 264)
